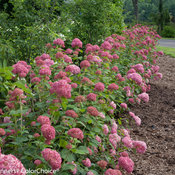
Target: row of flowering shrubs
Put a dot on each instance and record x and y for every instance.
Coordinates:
(75, 118)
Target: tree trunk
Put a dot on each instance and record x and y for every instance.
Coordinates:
(161, 15)
(136, 13)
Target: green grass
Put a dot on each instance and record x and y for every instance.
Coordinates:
(169, 38)
(167, 50)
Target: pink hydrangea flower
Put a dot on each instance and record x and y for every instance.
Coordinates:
(43, 57)
(48, 132)
(73, 69)
(115, 69)
(98, 139)
(144, 96)
(140, 146)
(112, 104)
(2, 132)
(61, 88)
(45, 70)
(105, 129)
(37, 162)
(136, 118)
(100, 114)
(124, 105)
(21, 68)
(106, 45)
(9, 163)
(92, 111)
(124, 154)
(86, 80)
(48, 62)
(76, 43)
(7, 120)
(87, 162)
(91, 97)
(112, 87)
(60, 75)
(74, 171)
(99, 87)
(35, 80)
(43, 120)
(71, 113)
(36, 135)
(127, 142)
(98, 72)
(112, 172)
(59, 55)
(135, 77)
(90, 173)
(59, 42)
(68, 51)
(139, 68)
(102, 164)
(85, 64)
(114, 127)
(52, 157)
(67, 59)
(114, 139)
(79, 99)
(126, 163)
(76, 133)
(90, 151)
(158, 76)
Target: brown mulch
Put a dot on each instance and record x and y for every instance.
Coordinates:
(158, 124)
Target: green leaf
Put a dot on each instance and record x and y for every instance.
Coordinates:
(66, 167)
(21, 84)
(81, 150)
(63, 143)
(21, 139)
(67, 155)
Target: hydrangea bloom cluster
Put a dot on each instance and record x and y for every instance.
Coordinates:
(112, 172)
(52, 157)
(61, 88)
(91, 97)
(77, 43)
(76, 133)
(21, 68)
(17, 95)
(99, 87)
(12, 164)
(126, 163)
(48, 132)
(59, 42)
(92, 111)
(135, 77)
(87, 162)
(71, 113)
(144, 96)
(73, 69)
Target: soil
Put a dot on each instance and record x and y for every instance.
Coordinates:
(158, 124)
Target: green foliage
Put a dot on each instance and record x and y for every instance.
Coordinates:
(168, 32)
(5, 82)
(94, 20)
(28, 28)
(26, 136)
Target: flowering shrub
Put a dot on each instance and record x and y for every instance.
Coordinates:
(71, 116)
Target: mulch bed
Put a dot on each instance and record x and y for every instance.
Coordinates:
(158, 124)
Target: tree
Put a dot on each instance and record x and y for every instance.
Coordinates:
(135, 5)
(161, 18)
(93, 20)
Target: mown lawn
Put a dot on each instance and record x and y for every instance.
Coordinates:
(167, 50)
